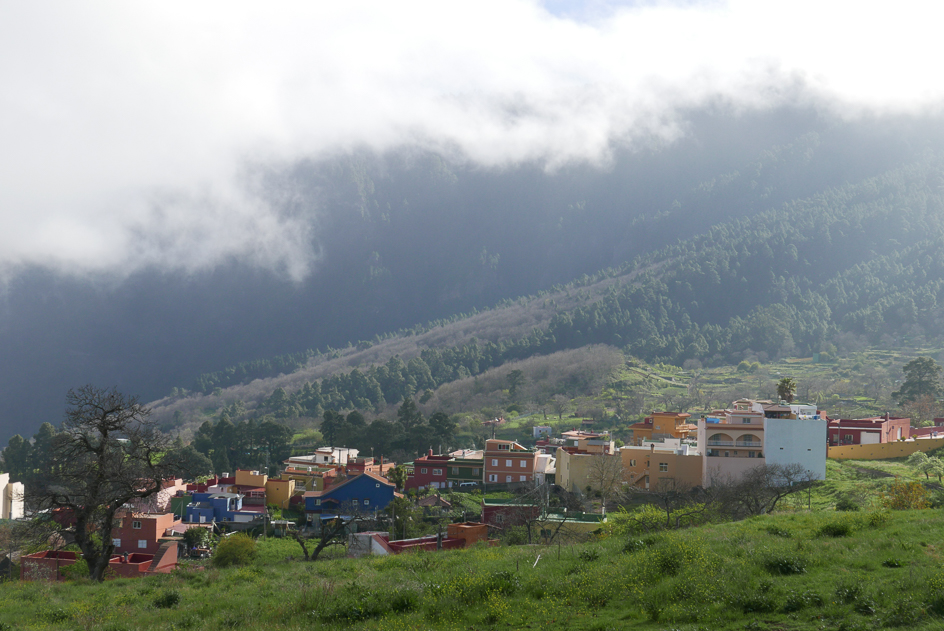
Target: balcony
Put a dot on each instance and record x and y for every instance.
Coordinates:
(721, 443)
(748, 445)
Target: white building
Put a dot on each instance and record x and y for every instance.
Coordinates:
(11, 498)
(742, 438)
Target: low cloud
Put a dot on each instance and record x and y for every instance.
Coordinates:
(126, 128)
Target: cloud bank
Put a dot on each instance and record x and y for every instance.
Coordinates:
(126, 128)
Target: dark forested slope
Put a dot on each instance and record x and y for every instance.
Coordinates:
(744, 213)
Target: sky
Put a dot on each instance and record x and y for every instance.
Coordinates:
(133, 135)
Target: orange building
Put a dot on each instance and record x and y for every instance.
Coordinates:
(662, 425)
(507, 462)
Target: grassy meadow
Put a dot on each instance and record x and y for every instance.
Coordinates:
(801, 570)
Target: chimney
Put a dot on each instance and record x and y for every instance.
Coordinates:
(886, 416)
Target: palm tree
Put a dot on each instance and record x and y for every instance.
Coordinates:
(786, 389)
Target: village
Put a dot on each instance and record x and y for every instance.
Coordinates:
(511, 483)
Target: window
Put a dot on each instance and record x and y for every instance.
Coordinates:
(508, 463)
(142, 544)
(726, 454)
(500, 518)
(494, 462)
(663, 466)
(847, 438)
(136, 525)
(437, 471)
(409, 471)
(751, 454)
(475, 471)
(507, 478)
(116, 543)
(377, 485)
(367, 502)
(504, 447)
(524, 463)
(455, 471)
(423, 471)
(493, 477)
(318, 502)
(522, 478)
(632, 462)
(746, 420)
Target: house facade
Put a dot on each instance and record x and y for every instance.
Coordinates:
(869, 431)
(364, 493)
(428, 471)
(743, 438)
(141, 532)
(662, 425)
(662, 465)
(508, 462)
(11, 498)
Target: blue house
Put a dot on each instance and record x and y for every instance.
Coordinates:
(363, 493)
(209, 507)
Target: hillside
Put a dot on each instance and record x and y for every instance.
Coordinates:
(854, 266)
(672, 251)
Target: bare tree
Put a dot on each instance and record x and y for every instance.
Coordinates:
(678, 500)
(107, 453)
(560, 404)
(330, 532)
(759, 490)
(606, 475)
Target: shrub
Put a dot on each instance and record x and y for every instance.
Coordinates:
(167, 600)
(847, 505)
(589, 555)
(848, 593)
(904, 613)
(778, 532)
(785, 565)
(877, 519)
(238, 549)
(836, 528)
(902, 495)
(795, 601)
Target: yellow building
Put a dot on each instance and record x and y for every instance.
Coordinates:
(659, 465)
(279, 492)
(244, 477)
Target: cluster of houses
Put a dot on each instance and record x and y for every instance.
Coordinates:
(335, 482)
(721, 445)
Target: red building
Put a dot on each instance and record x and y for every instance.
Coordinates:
(868, 431)
(428, 472)
(141, 532)
(48, 565)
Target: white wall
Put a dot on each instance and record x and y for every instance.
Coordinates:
(787, 441)
(11, 498)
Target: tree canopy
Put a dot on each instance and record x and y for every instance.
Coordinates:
(922, 378)
(107, 453)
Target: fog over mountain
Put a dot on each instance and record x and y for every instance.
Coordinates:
(182, 187)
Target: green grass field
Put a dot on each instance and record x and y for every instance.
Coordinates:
(820, 570)
(806, 567)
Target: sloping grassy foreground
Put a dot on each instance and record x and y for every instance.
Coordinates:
(799, 571)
